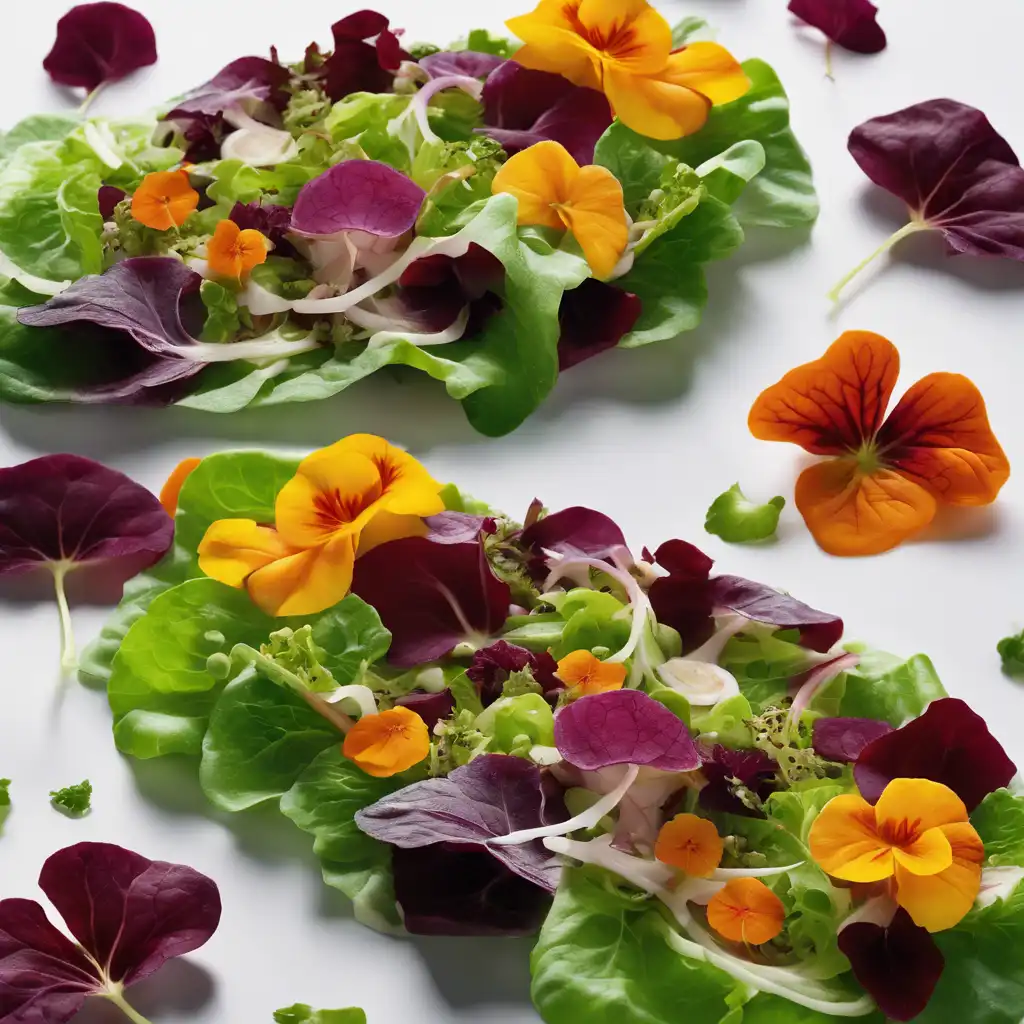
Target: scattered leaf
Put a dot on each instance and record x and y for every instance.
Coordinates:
(75, 800)
(737, 520)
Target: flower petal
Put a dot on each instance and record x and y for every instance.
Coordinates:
(596, 215)
(746, 910)
(171, 489)
(927, 855)
(655, 106)
(850, 513)
(691, 844)
(306, 582)
(552, 44)
(388, 743)
(538, 177)
(408, 488)
(940, 901)
(232, 549)
(845, 843)
(385, 527)
(939, 432)
(709, 69)
(630, 32)
(926, 803)
(834, 403)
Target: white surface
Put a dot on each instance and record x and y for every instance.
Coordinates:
(650, 437)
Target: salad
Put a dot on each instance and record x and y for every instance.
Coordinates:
(286, 229)
(694, 791)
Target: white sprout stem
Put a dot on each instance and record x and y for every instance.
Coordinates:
(103, 144)
(711, 650)
(816, 680)
(907, 229)
(257, 348)
(362, 695)
(68, 654)
(89, 99)
(453, 332)
(472, 86)
(116, 996)
(725, 874)
(335, 716)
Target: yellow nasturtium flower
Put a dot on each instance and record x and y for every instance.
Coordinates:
(555, 192)
(343, 501)
(623, 48)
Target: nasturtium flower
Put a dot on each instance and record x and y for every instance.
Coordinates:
(387, 743)
(344, 500)
(584, 674)
(624, 49)
(691, 844)
(917, 838)
(555, 192)
(886, 479)
(746, 910)
(233, 251)
(164, 200)
(171, 489)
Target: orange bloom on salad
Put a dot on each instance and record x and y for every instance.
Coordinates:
(171, 489)
(233, 252)
(164, 200)
(887, 475)
(690, 844)
(555, 192)
(586, 674)
(746, 910)
(623, 48)
(387, 743)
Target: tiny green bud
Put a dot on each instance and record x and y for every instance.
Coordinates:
(219, 665)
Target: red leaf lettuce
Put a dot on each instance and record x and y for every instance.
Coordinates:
(594, 317)
(843, 739)
(357, 65)
(850, 24)
(491, 667)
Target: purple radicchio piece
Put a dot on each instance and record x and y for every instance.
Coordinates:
(843, 739)
(727, 771)
(575, 532)
(366, 56)
(593, 318)
(850, 24)
(431, 707)
(492, 666)
(468, 63)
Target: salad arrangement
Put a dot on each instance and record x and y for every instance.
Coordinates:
(284, 230)
(688, 784)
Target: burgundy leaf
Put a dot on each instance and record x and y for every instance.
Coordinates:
(899, 966)
(843, 739)
(593, 318)
(492, 796)
(268, 219)
(727, 769)
(203, 135)
(108, 197)
(98, 43)
(683, 559)
(357, 65)
(251, 84)
(624, 727)
(452, 889)
(456, 527)
(491, 667)
(431, 707)
(949, 743)
(575, 532)
(358, 195)
(850, 24)
(431, 596)
(467, 63)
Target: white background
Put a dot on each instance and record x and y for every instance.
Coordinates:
(648, 436)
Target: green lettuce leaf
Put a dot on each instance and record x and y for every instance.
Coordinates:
(999, 819)
(1011, 653)
(737, 520)
(303, 1013)
(38, 128)
(763, 664)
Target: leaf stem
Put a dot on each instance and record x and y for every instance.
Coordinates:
(828, 61)
(907, 229)
(116, 996)
(87, 102)
(68, 655)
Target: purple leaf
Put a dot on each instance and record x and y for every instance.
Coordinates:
(682, 559)
(130, 915)
(270, 220)
(898, 966)
(594, 317)
(491, 667)
(99, 43)
(358, 195)
(624, 727)
(431, 596)
(850, 24)
(467, 63)
(203, 135)
(949, 743)
(523, 107)
(575, 532)
(492, 796)
(357, 65)
(249, 83)
(843, 739)
(450, 889)
(456, 527)
(431, 707)
(726, 769)
(108, 197)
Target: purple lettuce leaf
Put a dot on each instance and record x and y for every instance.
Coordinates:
(493, 795)
(492, 666)
(850, 24)
(249, 83)
(898, 966)
(454, 889)
(575, 532)
(594, 317)
(108, 196)
(431, 707)
(356, 64)
(358, 195)
(467, 63)
(949, 743)
(726, 769)
(270, 220)
(523, 107)
(457, 527)
(203, 135)
(431, 596)
(843, 739)
(624, 727)
(98, 43)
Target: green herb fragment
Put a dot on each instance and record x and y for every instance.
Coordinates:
(293, 658)
(5, 792)
(73, 800)
(302, 1013)
(737, 520)
(1011, 650)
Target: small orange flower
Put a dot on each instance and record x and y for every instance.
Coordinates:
(886, 479)
(746, 910)
(233, 252)
(164, 200)
(388, 743)
(690, 844)
(172, 488)
(586, 675)
(555, 192)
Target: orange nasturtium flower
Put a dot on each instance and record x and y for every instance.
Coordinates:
(623, 48)
(387, 743)
(691, 844)
(886, 479)
(164, 200)
(342, 501)
(172, 487)
(746, 910)
(233, 252)
(917, 836)
(586, 674)
(555, 192)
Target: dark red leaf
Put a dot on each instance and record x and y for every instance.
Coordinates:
(843, 739)
(850, 24)
(466, 63)
(99, 43)
(431, 707)
(431, 596)
(269, 219)
(357, 65)
(726, 769)
(203, 135)
(456, 527)
(683, 559)
(949, 743)
(491, 667)
(593, 318)
(249, 83)
(898, 966)
(108, 197)
(575, 532)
